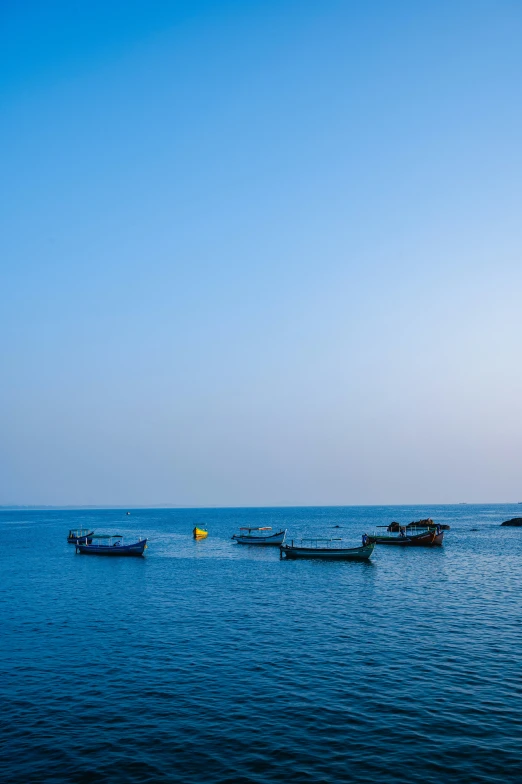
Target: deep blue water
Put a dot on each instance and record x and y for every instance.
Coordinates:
(214, 662)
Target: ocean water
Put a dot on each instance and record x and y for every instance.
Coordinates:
(213, 662)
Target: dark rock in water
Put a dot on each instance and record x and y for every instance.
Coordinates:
(421, 523)
(426, 523)
(515, 521)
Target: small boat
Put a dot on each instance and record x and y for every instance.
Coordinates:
(79, 535)
(199, 533)
(251, 537)
(322, 548)
(107, 544)
(428, 538)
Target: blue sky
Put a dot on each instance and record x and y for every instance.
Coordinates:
(260, 253)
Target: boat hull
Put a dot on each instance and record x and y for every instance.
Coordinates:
(199, 533)
(275, 539)
(328, 553)
(136, 549)
(428, 539)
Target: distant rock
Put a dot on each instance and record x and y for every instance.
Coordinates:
(421, 523)
(515, 521)
(395, 527)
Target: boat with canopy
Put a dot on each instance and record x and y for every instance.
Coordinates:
(326, 549)
(256, 536)
(111, 544)
(79, 535)
(428, 538)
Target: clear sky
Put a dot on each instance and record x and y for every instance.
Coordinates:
(260, 252)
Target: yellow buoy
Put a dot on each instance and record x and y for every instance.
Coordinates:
(199, 533)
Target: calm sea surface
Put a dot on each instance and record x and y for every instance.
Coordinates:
(213, 662)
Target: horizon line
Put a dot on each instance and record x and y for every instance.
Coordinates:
(101, 507)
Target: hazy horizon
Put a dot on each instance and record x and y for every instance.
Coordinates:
(118, 507)
(260, 253)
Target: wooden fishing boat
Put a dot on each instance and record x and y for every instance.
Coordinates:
(199, 533)
(79, 535)
(427, 538)
(251, 537)
(323, 548)
(111, 545)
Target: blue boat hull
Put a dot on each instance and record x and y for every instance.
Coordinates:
(136, 549)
